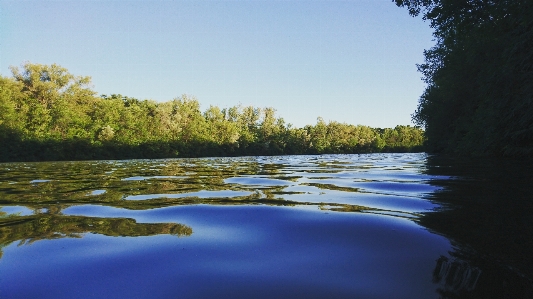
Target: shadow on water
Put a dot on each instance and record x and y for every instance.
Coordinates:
(486, 212)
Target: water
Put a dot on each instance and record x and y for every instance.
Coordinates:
(331, 226)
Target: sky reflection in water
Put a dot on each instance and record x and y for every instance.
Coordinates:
(338, 226)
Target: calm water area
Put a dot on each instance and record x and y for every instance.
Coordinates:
(329, 226)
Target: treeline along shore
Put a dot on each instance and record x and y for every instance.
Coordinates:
(46, 113)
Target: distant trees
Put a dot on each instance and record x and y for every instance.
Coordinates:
(46, 113)
(479, 76)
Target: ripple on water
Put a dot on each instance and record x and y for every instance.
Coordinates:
(417, 189)
(380, 201)
(156, 177)
(39, 181)
(395, 203)
(256, 181)
(96, 192)
(199, 194)
(15, 210)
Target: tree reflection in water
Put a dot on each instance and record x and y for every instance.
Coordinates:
(483, 206)
(455, 275)
(486, 213)
(29, 229)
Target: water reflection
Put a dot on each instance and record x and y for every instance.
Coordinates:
(286, 180)
(486, 212)
(455, 276)
(351, 221)
(50, 226)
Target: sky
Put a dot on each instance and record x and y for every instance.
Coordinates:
(348, 61)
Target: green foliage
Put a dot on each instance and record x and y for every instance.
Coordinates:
(479, 76)
(50, 114)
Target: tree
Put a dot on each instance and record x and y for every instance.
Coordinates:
(57, 101)
(48, 82)
(478, 75)
(12, 110)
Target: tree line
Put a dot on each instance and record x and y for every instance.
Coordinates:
(479, 75)
(46, 113)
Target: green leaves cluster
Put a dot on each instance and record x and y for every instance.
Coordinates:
(479, 76)
(46, 113)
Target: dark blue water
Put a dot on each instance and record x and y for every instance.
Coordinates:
(333, 226)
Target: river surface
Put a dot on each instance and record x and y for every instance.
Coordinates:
(329, 226)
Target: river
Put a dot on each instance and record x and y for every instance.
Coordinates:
(327, 226)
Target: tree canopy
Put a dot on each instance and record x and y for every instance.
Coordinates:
(479, 76)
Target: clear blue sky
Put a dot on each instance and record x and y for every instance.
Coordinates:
(347, 61)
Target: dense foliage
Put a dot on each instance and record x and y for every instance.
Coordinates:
(46, 113)
(479, 76)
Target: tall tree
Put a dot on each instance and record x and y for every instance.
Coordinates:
(479, 92)
(57, 101)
